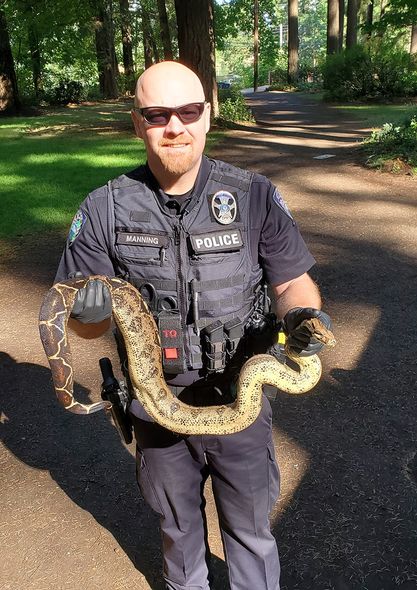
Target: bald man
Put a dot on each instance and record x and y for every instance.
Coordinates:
(200, 240)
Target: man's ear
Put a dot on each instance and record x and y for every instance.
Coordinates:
(136, 124)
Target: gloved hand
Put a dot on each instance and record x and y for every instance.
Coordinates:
(92, 304)
(300, 341)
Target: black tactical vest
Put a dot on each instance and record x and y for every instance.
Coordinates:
(195, 269)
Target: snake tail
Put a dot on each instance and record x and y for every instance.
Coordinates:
(53, 319)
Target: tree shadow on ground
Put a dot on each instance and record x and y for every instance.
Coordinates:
(86, 458)
(351, 524)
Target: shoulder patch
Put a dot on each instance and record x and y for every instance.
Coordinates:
(76, 226)
(279, 200)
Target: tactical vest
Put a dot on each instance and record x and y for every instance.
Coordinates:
(195, 269)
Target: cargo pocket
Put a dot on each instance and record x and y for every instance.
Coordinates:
(146, 485)
(273, 477)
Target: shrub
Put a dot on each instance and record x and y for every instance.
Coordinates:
(348, 75)
(232, 106)
(376, 70)
(395, 72)
(68, 91)
(393, 142)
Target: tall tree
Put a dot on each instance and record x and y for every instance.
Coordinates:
(352, 24)
(9, 96)
(293, 41)
(413, 42)
(196, 43)
(35, 55)
(104, 38)
(332, 26)
(150, 47)
(341, 23)
(369, 16)
(33, 16)
(126, 28)
(165, 34)
(255, 44)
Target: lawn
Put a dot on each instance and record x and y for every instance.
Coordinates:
(49, 162)
(392, 148)
(376, 115)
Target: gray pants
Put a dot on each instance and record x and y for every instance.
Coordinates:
(171, 472)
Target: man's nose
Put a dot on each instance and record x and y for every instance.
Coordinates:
(174, 126)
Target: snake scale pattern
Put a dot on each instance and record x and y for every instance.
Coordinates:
(140, 333)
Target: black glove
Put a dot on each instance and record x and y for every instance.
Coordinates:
(93, 303)
(299, 340)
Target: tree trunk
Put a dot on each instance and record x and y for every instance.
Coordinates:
(165, 34)
(35, 55)
(196, 44)
(352, 24)
(413, 44)
(369, 17)
(9, 96)
(255, 44)
(148, 40)
(332, 26)
(155, 49)
(341, 23)
(106, 61)
(293, 41)
(126, 28)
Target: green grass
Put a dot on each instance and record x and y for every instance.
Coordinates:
(50, 162)
(385, 150)
(388, 150)
(375, 115)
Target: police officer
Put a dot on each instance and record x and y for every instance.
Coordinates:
(198, 238)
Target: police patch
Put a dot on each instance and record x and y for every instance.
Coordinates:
(220, 241)
(224, 207)
(76, 226)
(279, 200)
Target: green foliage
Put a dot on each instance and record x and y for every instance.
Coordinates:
(393, 142)
(68, 91)
(312, 18)
(232, 106)
(234, 44)
(376, 70)
(399, 13)
(348, 75)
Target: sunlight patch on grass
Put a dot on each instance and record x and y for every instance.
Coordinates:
(376, 115)
(48, 167)
(9, 180)
(50, 215)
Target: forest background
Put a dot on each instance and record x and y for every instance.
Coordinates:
(55, 52)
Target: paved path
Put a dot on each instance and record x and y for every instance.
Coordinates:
(347, 519)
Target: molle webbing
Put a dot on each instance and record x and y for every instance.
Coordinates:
(215, 284)
(160, 285)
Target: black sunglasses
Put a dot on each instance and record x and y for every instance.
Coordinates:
(160, 116)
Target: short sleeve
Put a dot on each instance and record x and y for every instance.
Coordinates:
(282, 252)
(87, 248)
